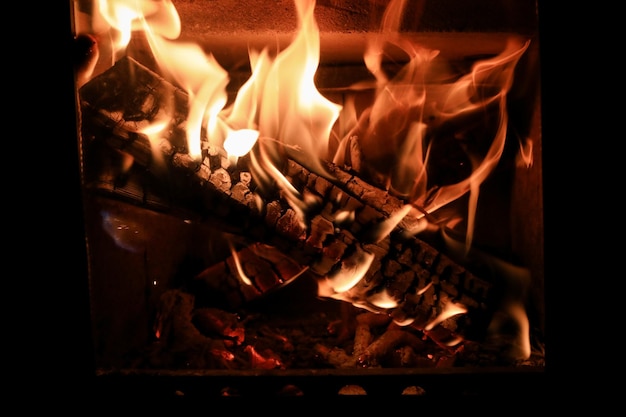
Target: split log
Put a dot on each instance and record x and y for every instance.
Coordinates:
(254, 271)
(376, 340)
(119, 103)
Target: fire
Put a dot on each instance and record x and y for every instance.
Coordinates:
(280, 111)
(122, 17)
(352, 271)
(240, 142)
(240, 272)
(451, 309)
(281, 105)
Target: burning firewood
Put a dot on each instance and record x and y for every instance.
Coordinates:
(213, 321)
(348, 225)
(264, 360)
(387, 342)
(206, 337)
(376, 339)
(193, 336)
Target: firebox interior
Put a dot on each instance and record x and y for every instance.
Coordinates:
(171, 305)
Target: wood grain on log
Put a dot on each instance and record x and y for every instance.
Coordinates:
(117, 104)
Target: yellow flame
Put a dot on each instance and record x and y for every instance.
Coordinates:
(423, 290)
(205, 82)
(350, 274)
(450, 309)
(383, 300)
(386, 226)
(404, 322)
(292, 109)
(240, 272)
(239, 142)
(243, 112)
(126, 16)
(525, 156)
(155, 133)
(184, 63)
(280, 101)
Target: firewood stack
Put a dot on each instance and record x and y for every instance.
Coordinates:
(118, 103)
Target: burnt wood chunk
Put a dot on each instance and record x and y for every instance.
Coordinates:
(341, 228)
(253, 271)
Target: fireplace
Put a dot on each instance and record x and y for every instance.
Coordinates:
(382, 237)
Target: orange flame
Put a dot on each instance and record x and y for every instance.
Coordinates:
(125, 16)
(450, 309)
(486, 85)
(240, 272)
(293, 110)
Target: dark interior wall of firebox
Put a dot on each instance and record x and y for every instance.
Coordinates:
(358, 15)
